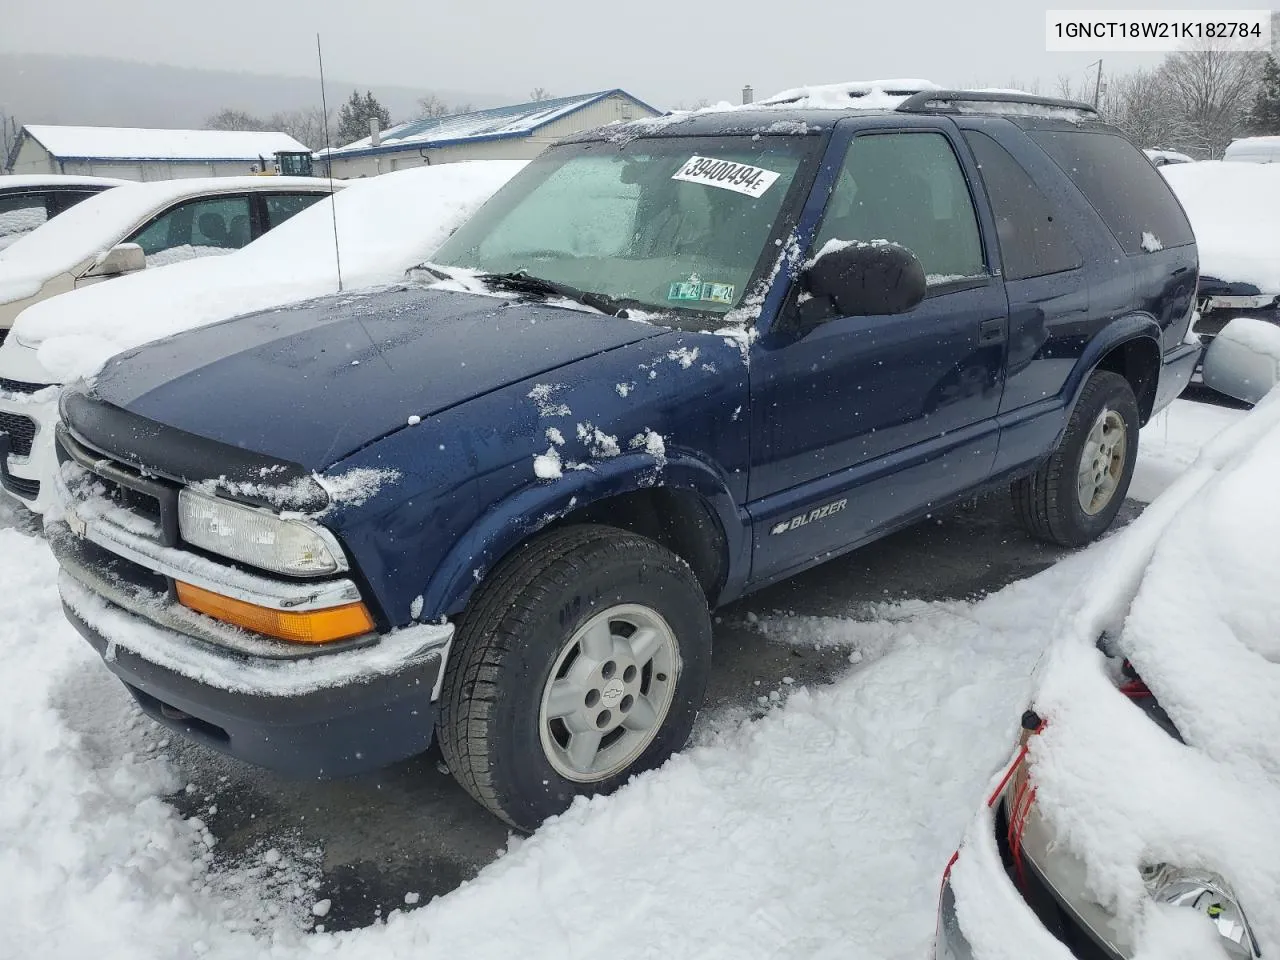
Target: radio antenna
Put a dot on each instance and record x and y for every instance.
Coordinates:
(328, 162)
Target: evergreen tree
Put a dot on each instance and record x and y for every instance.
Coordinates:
(353, 119)
(1264, 118)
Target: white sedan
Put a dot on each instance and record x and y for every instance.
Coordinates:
(385, 226)
(137, 225)
(1138, 817)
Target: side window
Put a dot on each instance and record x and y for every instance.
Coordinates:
(19, 215)
(63, 200)
(1033, 242)
(1117, 179)
(908, 188)
(282, 206)
(196, 228)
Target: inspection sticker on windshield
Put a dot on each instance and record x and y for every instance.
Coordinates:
(694, 289)
(727, 175)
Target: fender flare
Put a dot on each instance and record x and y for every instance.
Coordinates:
(1133, 326)
(528, 509)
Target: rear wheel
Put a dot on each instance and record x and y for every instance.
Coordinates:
(1074, 497)
(582, 661)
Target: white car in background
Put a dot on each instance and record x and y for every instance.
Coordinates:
(1253, 150)
(1234, 210)
(30, 201)
(385, 226)
(137, 225)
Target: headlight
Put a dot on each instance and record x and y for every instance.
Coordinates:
(1205, 891)
(257, 537)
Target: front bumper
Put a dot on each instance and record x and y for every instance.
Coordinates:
(25, 474)
(327, 715)
(301, 710)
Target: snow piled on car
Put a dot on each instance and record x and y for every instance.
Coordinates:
(385, 226)
(816, 831)
(1187, 594)
(1234, 210)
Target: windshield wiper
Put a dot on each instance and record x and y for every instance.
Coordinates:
(522, 282)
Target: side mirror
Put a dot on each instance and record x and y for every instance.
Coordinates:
(122, 258)
(863, 279)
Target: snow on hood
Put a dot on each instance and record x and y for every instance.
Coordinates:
(385, 225)
(19, 286)
(1187, 591)
(1235, 212)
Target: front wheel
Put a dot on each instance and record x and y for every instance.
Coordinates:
(1074, 497)
(582, 661)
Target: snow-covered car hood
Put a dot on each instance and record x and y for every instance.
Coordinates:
(16, 285)
(378, 241)
(1234, 210)
(1187, 595)
(19, 361)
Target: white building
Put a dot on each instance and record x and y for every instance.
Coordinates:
(503, 133)
(136, 154)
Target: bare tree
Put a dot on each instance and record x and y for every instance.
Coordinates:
(8, 135)
(539, 93)
(1213, 90)
(1142, 104)
(432, 106)
(308, 127)
(230, 119)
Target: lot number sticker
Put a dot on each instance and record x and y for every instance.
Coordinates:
(727, 175)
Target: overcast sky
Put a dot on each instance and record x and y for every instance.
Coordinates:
(664, 51)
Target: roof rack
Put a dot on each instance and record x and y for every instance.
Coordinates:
(949, 101)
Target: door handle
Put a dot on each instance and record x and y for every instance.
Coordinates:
(991, 331)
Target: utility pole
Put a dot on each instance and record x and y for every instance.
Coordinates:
(1097, 83)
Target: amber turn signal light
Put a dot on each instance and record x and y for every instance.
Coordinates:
(300, 626)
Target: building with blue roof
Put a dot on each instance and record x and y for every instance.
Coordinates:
(516, 132)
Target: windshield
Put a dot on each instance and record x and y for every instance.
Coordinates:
(669, 224)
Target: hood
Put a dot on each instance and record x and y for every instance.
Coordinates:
(15, 286)
(314, 382)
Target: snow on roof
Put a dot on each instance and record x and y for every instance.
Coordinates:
(851, 95)
(386, 225)
(1234, 209)
(132, 143)
(517, 120)
(102, 221)
(23, 181)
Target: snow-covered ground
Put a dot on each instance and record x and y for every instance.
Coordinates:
(820, 830)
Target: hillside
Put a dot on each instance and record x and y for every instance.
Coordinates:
(40, 88)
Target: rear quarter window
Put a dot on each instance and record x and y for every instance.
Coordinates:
(1033, 240)
(1129, 194)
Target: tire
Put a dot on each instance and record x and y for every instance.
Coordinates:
(1050, 502)
(496, 725)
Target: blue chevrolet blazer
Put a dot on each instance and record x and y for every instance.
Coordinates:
(671, 362)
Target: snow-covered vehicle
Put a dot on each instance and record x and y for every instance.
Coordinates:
(30, 201)
(131, 227)
(1234, 209)
(1253, 150)
(1138, 815)
(70, 336)
(1164, 157)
